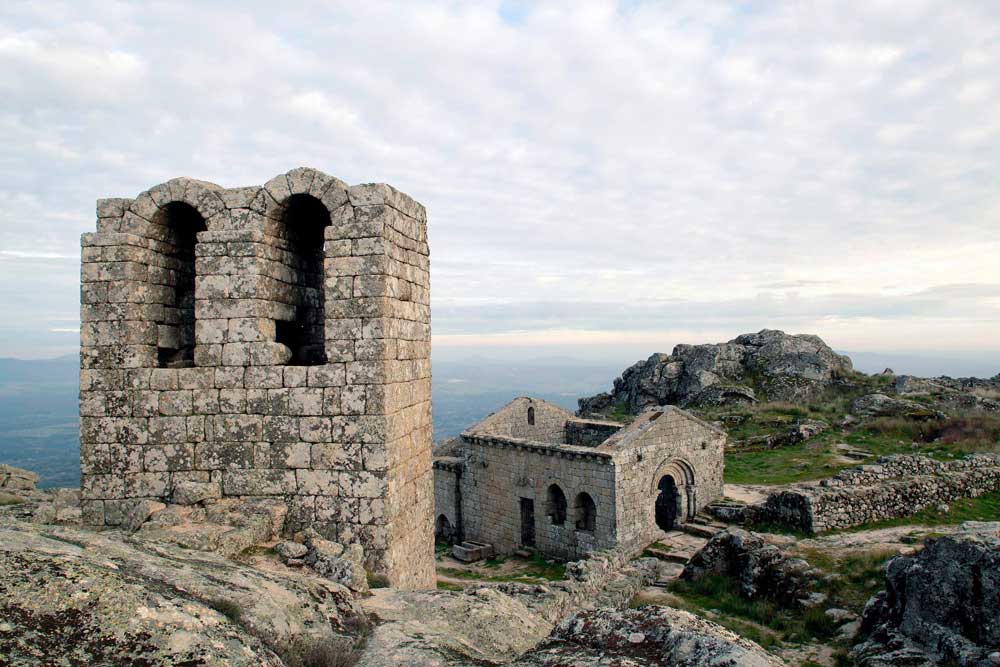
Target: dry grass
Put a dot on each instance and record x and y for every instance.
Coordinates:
(993, 394)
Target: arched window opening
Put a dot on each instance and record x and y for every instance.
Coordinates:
(586, 513)
(556, 505)
(175, 334)
(531, 416)
(305, 218)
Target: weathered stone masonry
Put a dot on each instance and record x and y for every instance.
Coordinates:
(895, 486)
(266, 341)
(533, 474)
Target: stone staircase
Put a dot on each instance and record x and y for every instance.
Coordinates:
(676, 547)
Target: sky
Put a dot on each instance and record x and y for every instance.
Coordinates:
(596, 174)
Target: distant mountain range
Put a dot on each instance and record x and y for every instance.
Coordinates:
(39, 424)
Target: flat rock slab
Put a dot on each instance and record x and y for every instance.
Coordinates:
(419, 628)
(107, 599)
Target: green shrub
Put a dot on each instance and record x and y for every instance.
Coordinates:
(378, 580)
(312, 652)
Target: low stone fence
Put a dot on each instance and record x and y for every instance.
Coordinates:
(893, 487)
(905, 465)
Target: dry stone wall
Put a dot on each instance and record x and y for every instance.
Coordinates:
(271, 341)
(896, 486)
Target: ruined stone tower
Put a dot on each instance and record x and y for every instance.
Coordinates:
(264, 341)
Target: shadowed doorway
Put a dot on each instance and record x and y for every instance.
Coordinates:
(666, 503)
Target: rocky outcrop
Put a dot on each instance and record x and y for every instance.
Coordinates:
(880, 405)
(107, 599)
(768, 365)
(800, 431)
(941, 606)
(761, 569)
(17, 480)
(494, 623)
(649, 636)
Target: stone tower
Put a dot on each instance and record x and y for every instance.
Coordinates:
(264, 341)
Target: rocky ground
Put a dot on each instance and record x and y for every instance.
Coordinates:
(213, 583)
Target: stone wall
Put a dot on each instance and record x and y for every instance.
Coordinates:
(896, 486)
(500, 472)
(676, 444)
(589, 433)
(271, 341)
(527, 419)
(447, 497)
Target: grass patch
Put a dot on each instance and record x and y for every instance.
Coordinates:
(764, 621)
(532, 570)
(8, 499)
(306, 651)
(941, 439)
(377, 580)
(448, 586)
(858, 576)
(983, 508)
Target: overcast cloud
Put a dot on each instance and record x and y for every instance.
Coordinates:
(593, 172)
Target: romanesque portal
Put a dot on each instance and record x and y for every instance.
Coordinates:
(264, 341)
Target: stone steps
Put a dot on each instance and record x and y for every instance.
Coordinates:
(701, 530)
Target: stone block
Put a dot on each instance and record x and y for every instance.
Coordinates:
(189, 492)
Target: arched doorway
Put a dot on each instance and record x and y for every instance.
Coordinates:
(667, 503)
(675, 492)
(443, 530)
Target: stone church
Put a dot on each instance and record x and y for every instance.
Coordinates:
(534, 475)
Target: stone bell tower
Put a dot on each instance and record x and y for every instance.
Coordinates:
(264, 341)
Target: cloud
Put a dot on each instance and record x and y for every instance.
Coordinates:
(586, 166)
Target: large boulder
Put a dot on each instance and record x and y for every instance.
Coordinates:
(769, 365)
(759, 568)
(941, 606)
(880, 405)
(13, 480)
(75, 596)
(647, 636)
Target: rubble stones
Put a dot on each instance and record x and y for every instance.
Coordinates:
(291, 550)
(768, 364)
(138, 512)
(344, 565)
(940, 607)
